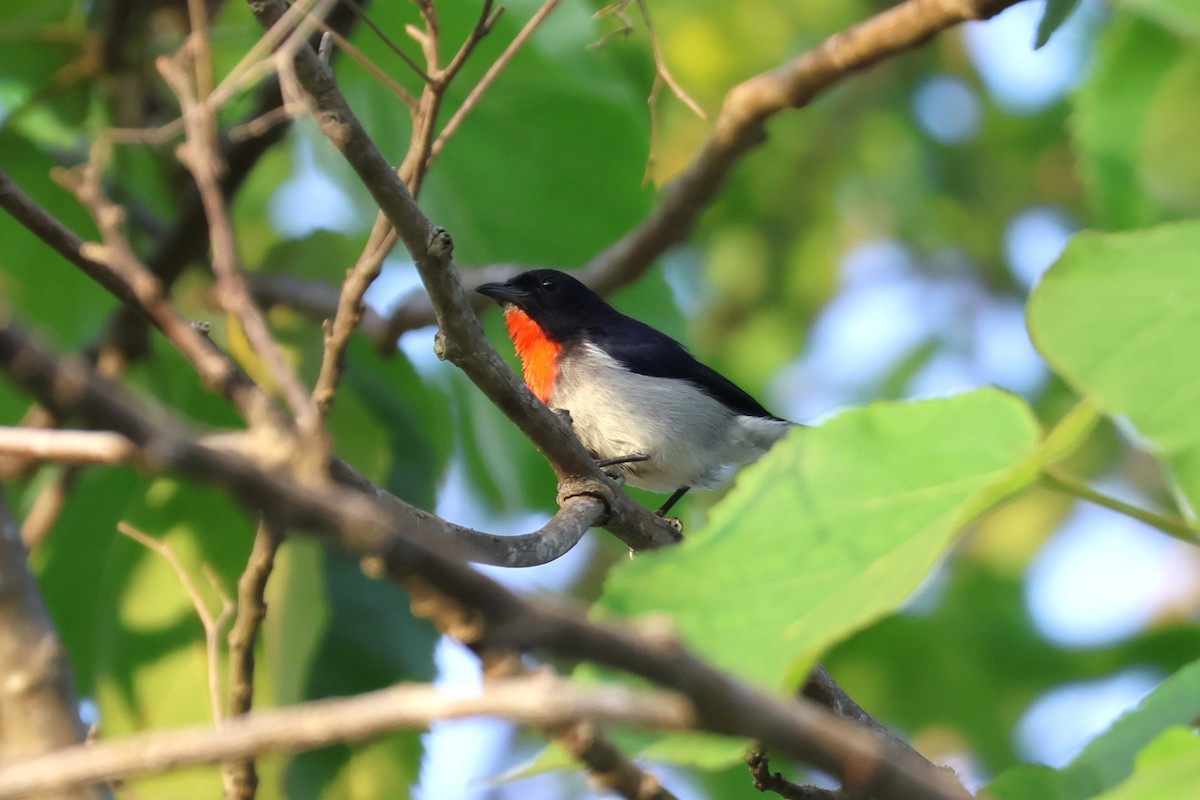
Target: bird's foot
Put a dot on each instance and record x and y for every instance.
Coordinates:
(565, 416)
(671, 501)
(606, 464)
(612, 462)
(675, 523)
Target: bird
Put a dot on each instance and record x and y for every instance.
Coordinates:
(636, 398)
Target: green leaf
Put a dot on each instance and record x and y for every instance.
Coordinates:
(1109, 759)
(975, 662)
(1168, 167)
(1056, 13)
(1168, 769)
(151, 667)
(372, 641)
(1132, 59)
(1180, 16)
(1118, 317)
(548, 168)
(833, 529)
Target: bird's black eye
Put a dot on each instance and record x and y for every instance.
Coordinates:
(549, 285)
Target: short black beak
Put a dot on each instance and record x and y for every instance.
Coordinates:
(502, 293)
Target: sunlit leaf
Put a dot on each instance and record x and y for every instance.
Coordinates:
(1111, 117)
(1168, 769)
(1109, 759)
(831, 530)
(1118, 317)
(1181, 16)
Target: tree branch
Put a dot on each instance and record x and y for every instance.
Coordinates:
(774, 782)
(472, 607)
(241, 777)
(536, 701)
(738, 128)
(199, 155)
(561, 533)
(740, 125)
(462, 340)
(490, 76)
(72, 447)
(39, 711)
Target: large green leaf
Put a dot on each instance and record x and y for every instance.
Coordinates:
(1118, 317)
(831, 530)
(1109, 759)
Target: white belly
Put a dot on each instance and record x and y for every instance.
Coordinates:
(690, 438)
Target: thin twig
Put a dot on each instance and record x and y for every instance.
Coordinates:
(368, 64)
(212, 624)
(70, 447)
(200, 156)
(383, 238)
(767, 781)
(126, 277)
(1171, 525)
(241, 777)
(391, 45)
(483, 26)
(490, 76)
(584, 739)
(462, 340)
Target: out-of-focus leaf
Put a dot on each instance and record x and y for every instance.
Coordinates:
(1170, 167)
(1109, 759)
(1111, 119)
(74, 562)
(548, 168)
(831, 530)
(1056, 13)
(975, 662)
(37, 285)
(150, 668)
(322, 255)
(371, 641)
(1118, 317)
(393, 425)
(1168, 769)
(1180, 16)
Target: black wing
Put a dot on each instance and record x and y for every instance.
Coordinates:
(647, 351)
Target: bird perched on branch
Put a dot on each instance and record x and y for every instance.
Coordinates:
(636, 398)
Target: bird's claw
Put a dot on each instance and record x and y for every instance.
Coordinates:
(618, 475)
(674, 522)
(615, 475)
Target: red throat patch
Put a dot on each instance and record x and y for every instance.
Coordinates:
(538, 354)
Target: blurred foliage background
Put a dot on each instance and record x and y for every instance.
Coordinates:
(880, 245)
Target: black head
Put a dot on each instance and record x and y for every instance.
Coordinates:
(561, 305)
